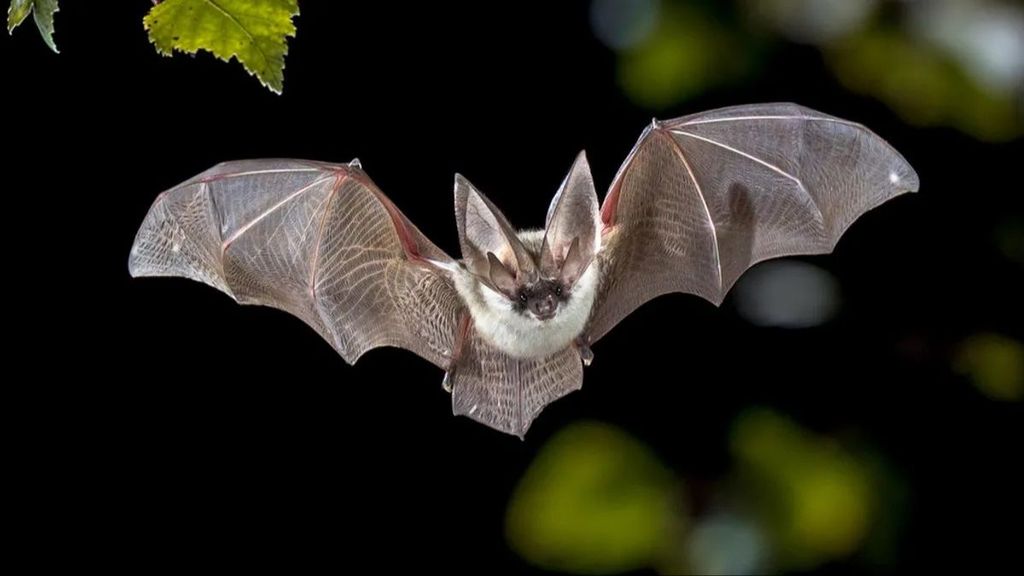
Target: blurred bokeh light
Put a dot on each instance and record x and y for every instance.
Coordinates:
(623, 23)
(595, 501)
(995, 364)
(787, 294)
(685, 53)
(816, 497)
(811, 21)
(956, 63)
(727, 543)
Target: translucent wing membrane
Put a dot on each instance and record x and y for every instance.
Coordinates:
(702, 198)
(318, 241)
(508, 393)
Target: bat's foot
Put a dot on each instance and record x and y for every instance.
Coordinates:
(448, 380)
(586, 354)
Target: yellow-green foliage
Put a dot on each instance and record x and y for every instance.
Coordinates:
(254, 32)
(42, 12)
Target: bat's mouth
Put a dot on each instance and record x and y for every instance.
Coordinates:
(544, 305)
(543, 315)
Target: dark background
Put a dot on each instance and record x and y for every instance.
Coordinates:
(171, 426)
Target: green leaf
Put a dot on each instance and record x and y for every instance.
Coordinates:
(42, 12)
(253, 31)
(16, 13)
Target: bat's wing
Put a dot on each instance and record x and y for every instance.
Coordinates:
(319, 241)
(702, 198)
(507, 393)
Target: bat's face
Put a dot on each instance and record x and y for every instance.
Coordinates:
(523, 289)
(541, 299)
(538, 297)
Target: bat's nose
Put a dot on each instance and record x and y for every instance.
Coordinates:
(544, 308)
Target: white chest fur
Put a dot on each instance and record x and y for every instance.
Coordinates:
(520, 334)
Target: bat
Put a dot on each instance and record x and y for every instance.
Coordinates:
(698, 201)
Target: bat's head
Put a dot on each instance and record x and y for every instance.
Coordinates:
(538, 271)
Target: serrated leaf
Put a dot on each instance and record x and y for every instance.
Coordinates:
(42, 12)
(254, 32)
(17, 12)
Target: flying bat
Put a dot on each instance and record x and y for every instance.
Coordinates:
(698, 201)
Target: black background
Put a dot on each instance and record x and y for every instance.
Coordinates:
(169, 425)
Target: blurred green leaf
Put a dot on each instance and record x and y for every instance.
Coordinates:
(816, 497)
(254, 32)
(42, 12)
(995, 365)
(811, 21)
(594, 501)
(922, 84)
(687, 53)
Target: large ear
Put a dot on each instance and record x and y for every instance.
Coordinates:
(572, 231)
(484, 230)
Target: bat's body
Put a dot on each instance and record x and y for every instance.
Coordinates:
(698, 201)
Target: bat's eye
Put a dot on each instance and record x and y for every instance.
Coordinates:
(522, 297)
(558, 290)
